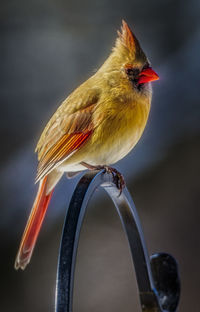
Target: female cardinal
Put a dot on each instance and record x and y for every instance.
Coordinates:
(97, 125)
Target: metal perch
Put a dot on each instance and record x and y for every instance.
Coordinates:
(157, 277)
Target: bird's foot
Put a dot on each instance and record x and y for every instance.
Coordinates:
(117, 176)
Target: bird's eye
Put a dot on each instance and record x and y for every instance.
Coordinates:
(133, 76)
(132, 72)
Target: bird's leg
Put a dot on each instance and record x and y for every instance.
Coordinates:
(117, 176)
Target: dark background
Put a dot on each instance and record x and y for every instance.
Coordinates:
(47, 48)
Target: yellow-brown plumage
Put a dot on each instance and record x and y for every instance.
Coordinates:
(98, 124)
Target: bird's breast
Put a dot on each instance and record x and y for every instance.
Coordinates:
(117, 134)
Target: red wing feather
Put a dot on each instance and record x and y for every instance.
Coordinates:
(68, 144)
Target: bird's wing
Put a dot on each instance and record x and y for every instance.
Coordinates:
(64, 134)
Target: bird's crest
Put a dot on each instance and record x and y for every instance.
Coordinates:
(127, 38)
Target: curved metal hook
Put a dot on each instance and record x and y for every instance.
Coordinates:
(149, 297)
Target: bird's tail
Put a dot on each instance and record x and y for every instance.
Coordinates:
(33, 226)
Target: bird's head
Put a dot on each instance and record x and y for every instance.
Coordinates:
(128, 59)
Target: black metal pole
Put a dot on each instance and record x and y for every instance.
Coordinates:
(151, 298)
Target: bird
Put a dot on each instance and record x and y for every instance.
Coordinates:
(98, 124)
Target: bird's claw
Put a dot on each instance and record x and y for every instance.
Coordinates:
(117, 178)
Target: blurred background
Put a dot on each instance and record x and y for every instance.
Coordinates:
(47, 49)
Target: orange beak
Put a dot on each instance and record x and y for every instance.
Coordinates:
(147, 75)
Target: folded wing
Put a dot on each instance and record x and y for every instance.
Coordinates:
(64, 135)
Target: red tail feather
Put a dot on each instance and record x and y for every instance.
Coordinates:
(33, 226)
